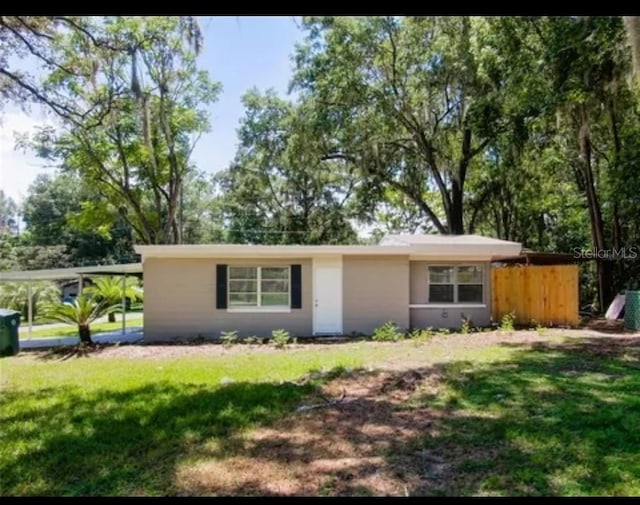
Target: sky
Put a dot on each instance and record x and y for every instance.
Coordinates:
(239, 51)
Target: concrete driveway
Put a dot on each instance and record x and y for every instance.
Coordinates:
(132, 334)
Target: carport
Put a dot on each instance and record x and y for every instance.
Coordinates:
(79, 273)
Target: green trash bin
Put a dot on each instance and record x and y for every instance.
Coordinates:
(9, 322)
(632, 310)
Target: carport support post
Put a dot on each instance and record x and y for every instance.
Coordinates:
(29, 306)
(124, 301)
(80, 284)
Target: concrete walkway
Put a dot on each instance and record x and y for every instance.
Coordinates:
(135, 317)
(131, 335)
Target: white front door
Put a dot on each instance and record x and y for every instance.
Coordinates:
(327, 296)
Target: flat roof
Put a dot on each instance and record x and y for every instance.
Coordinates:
(69, 273)
(469, 240)
(440, 246)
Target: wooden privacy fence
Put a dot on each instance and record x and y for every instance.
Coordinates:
(544, 293)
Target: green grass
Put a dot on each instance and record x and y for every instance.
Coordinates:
(120, 427)
(561, 419)
(72, 331)
(557, 420)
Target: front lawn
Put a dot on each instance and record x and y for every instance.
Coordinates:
(454, 416)
(555, 419)
(91, 426)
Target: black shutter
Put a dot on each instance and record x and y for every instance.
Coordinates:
(296, 286)
(221, 286)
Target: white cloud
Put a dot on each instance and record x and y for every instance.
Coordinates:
(18, 169)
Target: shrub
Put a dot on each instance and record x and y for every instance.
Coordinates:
(228, 338)
(81, 312)
(252, 340)
(540, 329)
(467, 326)
(280, 338)
(198, 339)
(108, 289)
(443, 331)
(422, 334)
(388, 332)
(506, 323)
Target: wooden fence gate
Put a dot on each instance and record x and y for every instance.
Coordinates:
(547, 294)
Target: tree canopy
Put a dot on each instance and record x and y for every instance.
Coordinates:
(522, 128)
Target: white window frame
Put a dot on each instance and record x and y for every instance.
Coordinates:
(259, 307)
(455, 284)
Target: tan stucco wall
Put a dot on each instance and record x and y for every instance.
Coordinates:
(180, 301)
(449, 317)
(180, 298)
(375, 290)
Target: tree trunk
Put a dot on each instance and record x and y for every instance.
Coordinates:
(112, 317)
(633, 31)
(618, 270)
(456, 224)
(85, 334)
(595, 216)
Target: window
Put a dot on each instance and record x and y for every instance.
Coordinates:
(469, 284)
(441, 284)
(459, 284)
(258, 286)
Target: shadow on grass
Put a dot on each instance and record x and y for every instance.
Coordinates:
(553, 419)
(66, 442)
(557, 419)
(65, 352)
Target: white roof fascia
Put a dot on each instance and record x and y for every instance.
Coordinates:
(484, 251)
(252, 251)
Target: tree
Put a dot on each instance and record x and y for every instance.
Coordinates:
(38, 40)
(108, 290)
(81, 312)
(278, 189)
(519, 190)
(137, 104)
(633, 31)
(200, 211)
(406, 102)
(8, 254)
(524, 128)
(42, 257)
(62, 209)
(552, 177)
(586, 66)
(8, 214)
(22, 37)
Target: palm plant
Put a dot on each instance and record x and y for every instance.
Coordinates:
(14, 295)
(81, 312)
(108, 289)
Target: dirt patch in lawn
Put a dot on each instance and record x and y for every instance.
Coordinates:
(360, 436)
(339, 446)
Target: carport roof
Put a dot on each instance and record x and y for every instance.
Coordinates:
(541, 258)
(69, 273)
